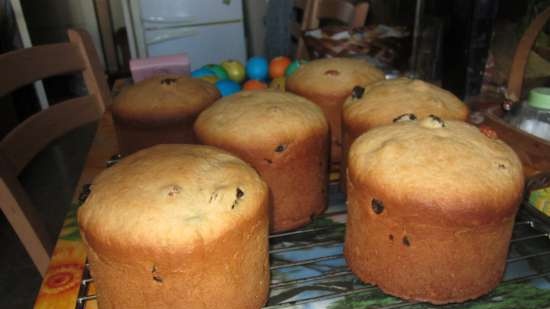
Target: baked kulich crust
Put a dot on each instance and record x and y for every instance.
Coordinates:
(178, 226)
(328, 82)
(383, 102)
(160, 110)
(431, 209)
(285, 137)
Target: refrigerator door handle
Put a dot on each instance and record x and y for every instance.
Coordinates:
(174, 34)
(159, 22)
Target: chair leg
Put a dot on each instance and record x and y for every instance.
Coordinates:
(29, 230)
(360, 15)
(301, 50)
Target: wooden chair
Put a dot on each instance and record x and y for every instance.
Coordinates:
(342, 11)
(18, 147)
(532, 150)
(298, 26)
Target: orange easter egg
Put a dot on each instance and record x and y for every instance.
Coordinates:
(277, 66)
(253, 84)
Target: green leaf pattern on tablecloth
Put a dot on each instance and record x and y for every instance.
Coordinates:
(70, 230)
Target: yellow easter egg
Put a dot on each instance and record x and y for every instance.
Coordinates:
(278, 83)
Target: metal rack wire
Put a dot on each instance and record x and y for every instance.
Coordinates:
(318, 248)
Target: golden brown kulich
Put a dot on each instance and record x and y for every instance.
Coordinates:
(178, 226)
(285, 137)
(431, 208)
(328, 82)
(384, 102)
(160, 110)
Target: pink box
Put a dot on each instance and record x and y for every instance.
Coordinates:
(174, 64)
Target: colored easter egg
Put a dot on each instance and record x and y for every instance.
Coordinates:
(210, 78)
(295, 65)
(235, 70)
(198, 73)
(257, 68)
(253, 84)
(218, 70)
(277, 66)
(227, 87)
(278, 83)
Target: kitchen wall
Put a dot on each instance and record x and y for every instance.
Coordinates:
(255, 11)
(48, 20)
(117, 15)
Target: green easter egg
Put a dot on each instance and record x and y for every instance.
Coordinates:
(218, 70)
(292, 67)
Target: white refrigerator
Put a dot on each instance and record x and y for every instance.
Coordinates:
(208, 31)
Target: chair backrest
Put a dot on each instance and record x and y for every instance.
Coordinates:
(297, 26)
(19, 147)
(343, 11)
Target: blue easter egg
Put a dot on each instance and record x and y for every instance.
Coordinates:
(227, 87)
(198, 73)
(257, 68)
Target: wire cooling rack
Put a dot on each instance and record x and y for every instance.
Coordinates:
(308, 269)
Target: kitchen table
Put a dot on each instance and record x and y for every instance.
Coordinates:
(307, 266)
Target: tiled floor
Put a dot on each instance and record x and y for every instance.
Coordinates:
(50, 180)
